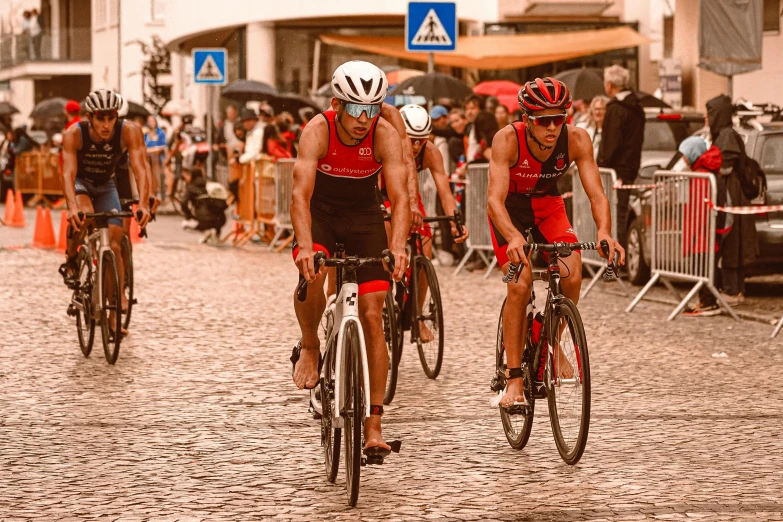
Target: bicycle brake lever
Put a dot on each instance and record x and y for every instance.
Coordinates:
(611, 266)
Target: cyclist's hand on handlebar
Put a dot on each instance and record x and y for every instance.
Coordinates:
(614, 246)
(155, 204)
(455, 233)
(306, 264)
(400, 264)
(416, 218)
(516, 250)
(76, 219)
(145, 216)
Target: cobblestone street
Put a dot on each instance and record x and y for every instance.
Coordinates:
(199, 419)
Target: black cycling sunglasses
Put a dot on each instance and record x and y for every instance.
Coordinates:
(546, 121)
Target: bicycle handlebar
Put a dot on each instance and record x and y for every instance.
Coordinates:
(114, 214)
(561, 249)
(456, 218)
(611, 265)
(320, 260)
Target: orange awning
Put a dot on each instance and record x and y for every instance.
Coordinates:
(502, 51)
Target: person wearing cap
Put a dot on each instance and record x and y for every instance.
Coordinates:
(440, 120)
(254, 129)
(72, 110)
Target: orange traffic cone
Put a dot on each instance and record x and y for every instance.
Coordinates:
(44, 234)
(18, 218)
(9, 207)
(62, 243)
(134, 229)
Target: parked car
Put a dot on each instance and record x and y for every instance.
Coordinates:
(764, 143)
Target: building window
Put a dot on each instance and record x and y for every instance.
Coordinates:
(772, 15)
(157, 10)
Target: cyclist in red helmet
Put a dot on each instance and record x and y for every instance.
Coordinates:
(528, 158)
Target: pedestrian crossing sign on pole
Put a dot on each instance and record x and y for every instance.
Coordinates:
(209, 66)
(431, 26)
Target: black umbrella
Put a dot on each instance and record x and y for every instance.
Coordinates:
(249, 90)
(291, 102)
(648, 100)
(135, 110)
(6, 109)
(47, 109)
(584, 84)
(325, 90)
(433, 86)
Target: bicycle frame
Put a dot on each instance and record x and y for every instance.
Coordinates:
(100, 242)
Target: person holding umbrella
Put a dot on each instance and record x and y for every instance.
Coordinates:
(72, 113)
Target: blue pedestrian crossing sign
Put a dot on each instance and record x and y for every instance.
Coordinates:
(431, 26)
(210, 66)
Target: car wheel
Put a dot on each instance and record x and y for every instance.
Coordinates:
(638, 269)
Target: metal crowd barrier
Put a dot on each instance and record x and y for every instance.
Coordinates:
(585, 228)
(777, 328)
(429, 192)
(284, 186)
(683, 242)
(476, 217)
(38, 173)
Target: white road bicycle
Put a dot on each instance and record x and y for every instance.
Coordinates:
(342, 397)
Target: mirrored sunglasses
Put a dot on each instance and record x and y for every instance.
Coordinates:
(546, 121)
(418, 141)
(356, 109)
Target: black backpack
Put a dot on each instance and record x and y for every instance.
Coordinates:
(753, 180)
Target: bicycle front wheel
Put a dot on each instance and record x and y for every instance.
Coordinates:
(330, 436)
(517, 421)
(111, 308)
(392, 346)
(430, 318)
(567, 378)
(354, 411)
(82, 301)
(127, 287)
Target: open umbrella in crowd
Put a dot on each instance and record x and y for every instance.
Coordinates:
(433, 86)
(249, 90)
(505, 91)
(584, 84)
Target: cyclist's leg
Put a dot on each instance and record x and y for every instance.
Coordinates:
(84, 200)
(426, 248)
(555, 227)
(106, 199)
(514, 314)
(309, 312)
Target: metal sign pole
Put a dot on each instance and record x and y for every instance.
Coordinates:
(431, 63)
(210, 92)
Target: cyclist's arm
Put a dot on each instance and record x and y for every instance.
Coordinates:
(389, 152)
(392, 115)
(312, 146)
(580, 149)
(504, 151)
(133, 139)
(433, 160)
(72, 142)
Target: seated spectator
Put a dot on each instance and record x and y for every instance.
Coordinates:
(204, 205)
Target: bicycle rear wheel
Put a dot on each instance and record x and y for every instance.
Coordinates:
(431, 314)
(111, 308)
(330, 436)
(567, 379)
(127, 290)
(518, 421)
(354, 411)
(392, 345)
(82, 301)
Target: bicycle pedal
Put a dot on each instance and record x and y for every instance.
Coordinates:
(497, 384)
(363, 461)
(72, 311)
(134, 301)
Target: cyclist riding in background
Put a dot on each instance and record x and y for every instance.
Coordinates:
(341, 153)
(91, 153)
(418, 126)
(528, 158)
(125, 186)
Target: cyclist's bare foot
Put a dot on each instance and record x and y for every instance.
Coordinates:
(112, 319)
(306, 369)
(124, 304)
(564, 368)
(513, 393)
(425, 333)
(372, 433)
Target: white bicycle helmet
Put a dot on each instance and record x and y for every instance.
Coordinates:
(102, 100)
(359, 82)
(418, 123)
(123, 111)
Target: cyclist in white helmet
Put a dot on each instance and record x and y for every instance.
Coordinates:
(418, 126)
(341, 153)
(91, 153)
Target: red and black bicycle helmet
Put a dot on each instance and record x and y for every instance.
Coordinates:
(544, 93)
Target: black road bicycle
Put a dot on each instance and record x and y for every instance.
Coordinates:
(403, 300)
(555, 362)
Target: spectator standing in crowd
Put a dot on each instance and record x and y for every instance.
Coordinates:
(254, 130)
(458, 124)
(739, 245)
(594, 121)
(72, 113)
(699, 158)
(274, 144)
(490, 104)
(26, 34)
(581, 111)
(622, 137)
(440, 121)
(155, 140)
(203, 211)
(233, 158)
(306, 114)
(36, 33)
(480, 132)
(285, 124)
(501, 115)
(226, 136)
